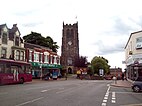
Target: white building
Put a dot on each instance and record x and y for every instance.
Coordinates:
(133, 55)
(11, 44)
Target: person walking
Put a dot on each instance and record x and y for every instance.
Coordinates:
(66, 76)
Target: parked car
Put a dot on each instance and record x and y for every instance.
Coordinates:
(137, 85)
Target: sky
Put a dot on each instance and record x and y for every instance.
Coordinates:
(104, 26)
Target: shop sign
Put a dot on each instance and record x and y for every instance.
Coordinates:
(35, 64)
(51, 65)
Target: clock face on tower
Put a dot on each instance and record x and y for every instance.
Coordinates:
(69, 43)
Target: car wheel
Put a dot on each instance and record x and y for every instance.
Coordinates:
(136, 89)
(21, 80)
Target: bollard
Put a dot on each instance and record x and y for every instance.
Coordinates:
(115, 80)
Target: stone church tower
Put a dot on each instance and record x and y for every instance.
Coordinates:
(70, 46)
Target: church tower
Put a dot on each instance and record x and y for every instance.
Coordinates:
(70, 46)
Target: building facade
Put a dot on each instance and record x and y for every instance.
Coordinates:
(117, 72)
(133, 55)
(11, 44)
(70, 46)
(43, 60)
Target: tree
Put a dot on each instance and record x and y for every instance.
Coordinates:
(98, 63)
(80, 61)
(38, 39)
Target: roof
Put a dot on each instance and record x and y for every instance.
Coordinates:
(32, 46)
(131, 36)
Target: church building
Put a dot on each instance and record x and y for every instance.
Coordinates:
(70, 46)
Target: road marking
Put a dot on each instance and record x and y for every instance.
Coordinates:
(113, 101)
(103, 104)
(113, 98)
(43, 91)
(106, 97)
(104, 100)
(24, 103)
(108, 84)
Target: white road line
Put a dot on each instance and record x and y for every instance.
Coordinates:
(104, 101)
(113, 99)
(43, 91)
(108, 89)
(113, 94)
(105, 97)
(103, 104)
(24, 103)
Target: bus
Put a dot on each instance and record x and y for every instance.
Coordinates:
(12, 71)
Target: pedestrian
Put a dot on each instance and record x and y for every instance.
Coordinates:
(66, 76)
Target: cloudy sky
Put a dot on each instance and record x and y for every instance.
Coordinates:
(104, 25)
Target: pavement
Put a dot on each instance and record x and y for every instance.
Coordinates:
(122, 83)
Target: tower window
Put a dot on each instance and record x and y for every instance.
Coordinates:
(68, 33)
(69, 61)
(72, 32)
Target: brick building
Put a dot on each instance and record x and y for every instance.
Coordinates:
(43, 60)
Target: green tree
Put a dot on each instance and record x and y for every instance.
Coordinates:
(99, 63)
(38, 39)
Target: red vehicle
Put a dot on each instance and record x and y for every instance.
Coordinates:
(12, 71)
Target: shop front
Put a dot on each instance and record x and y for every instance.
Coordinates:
(42, 70)
(134, 67)
(36, 69)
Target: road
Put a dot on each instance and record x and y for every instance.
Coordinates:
(67, 93)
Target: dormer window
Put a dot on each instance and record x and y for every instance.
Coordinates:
(4, 38)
